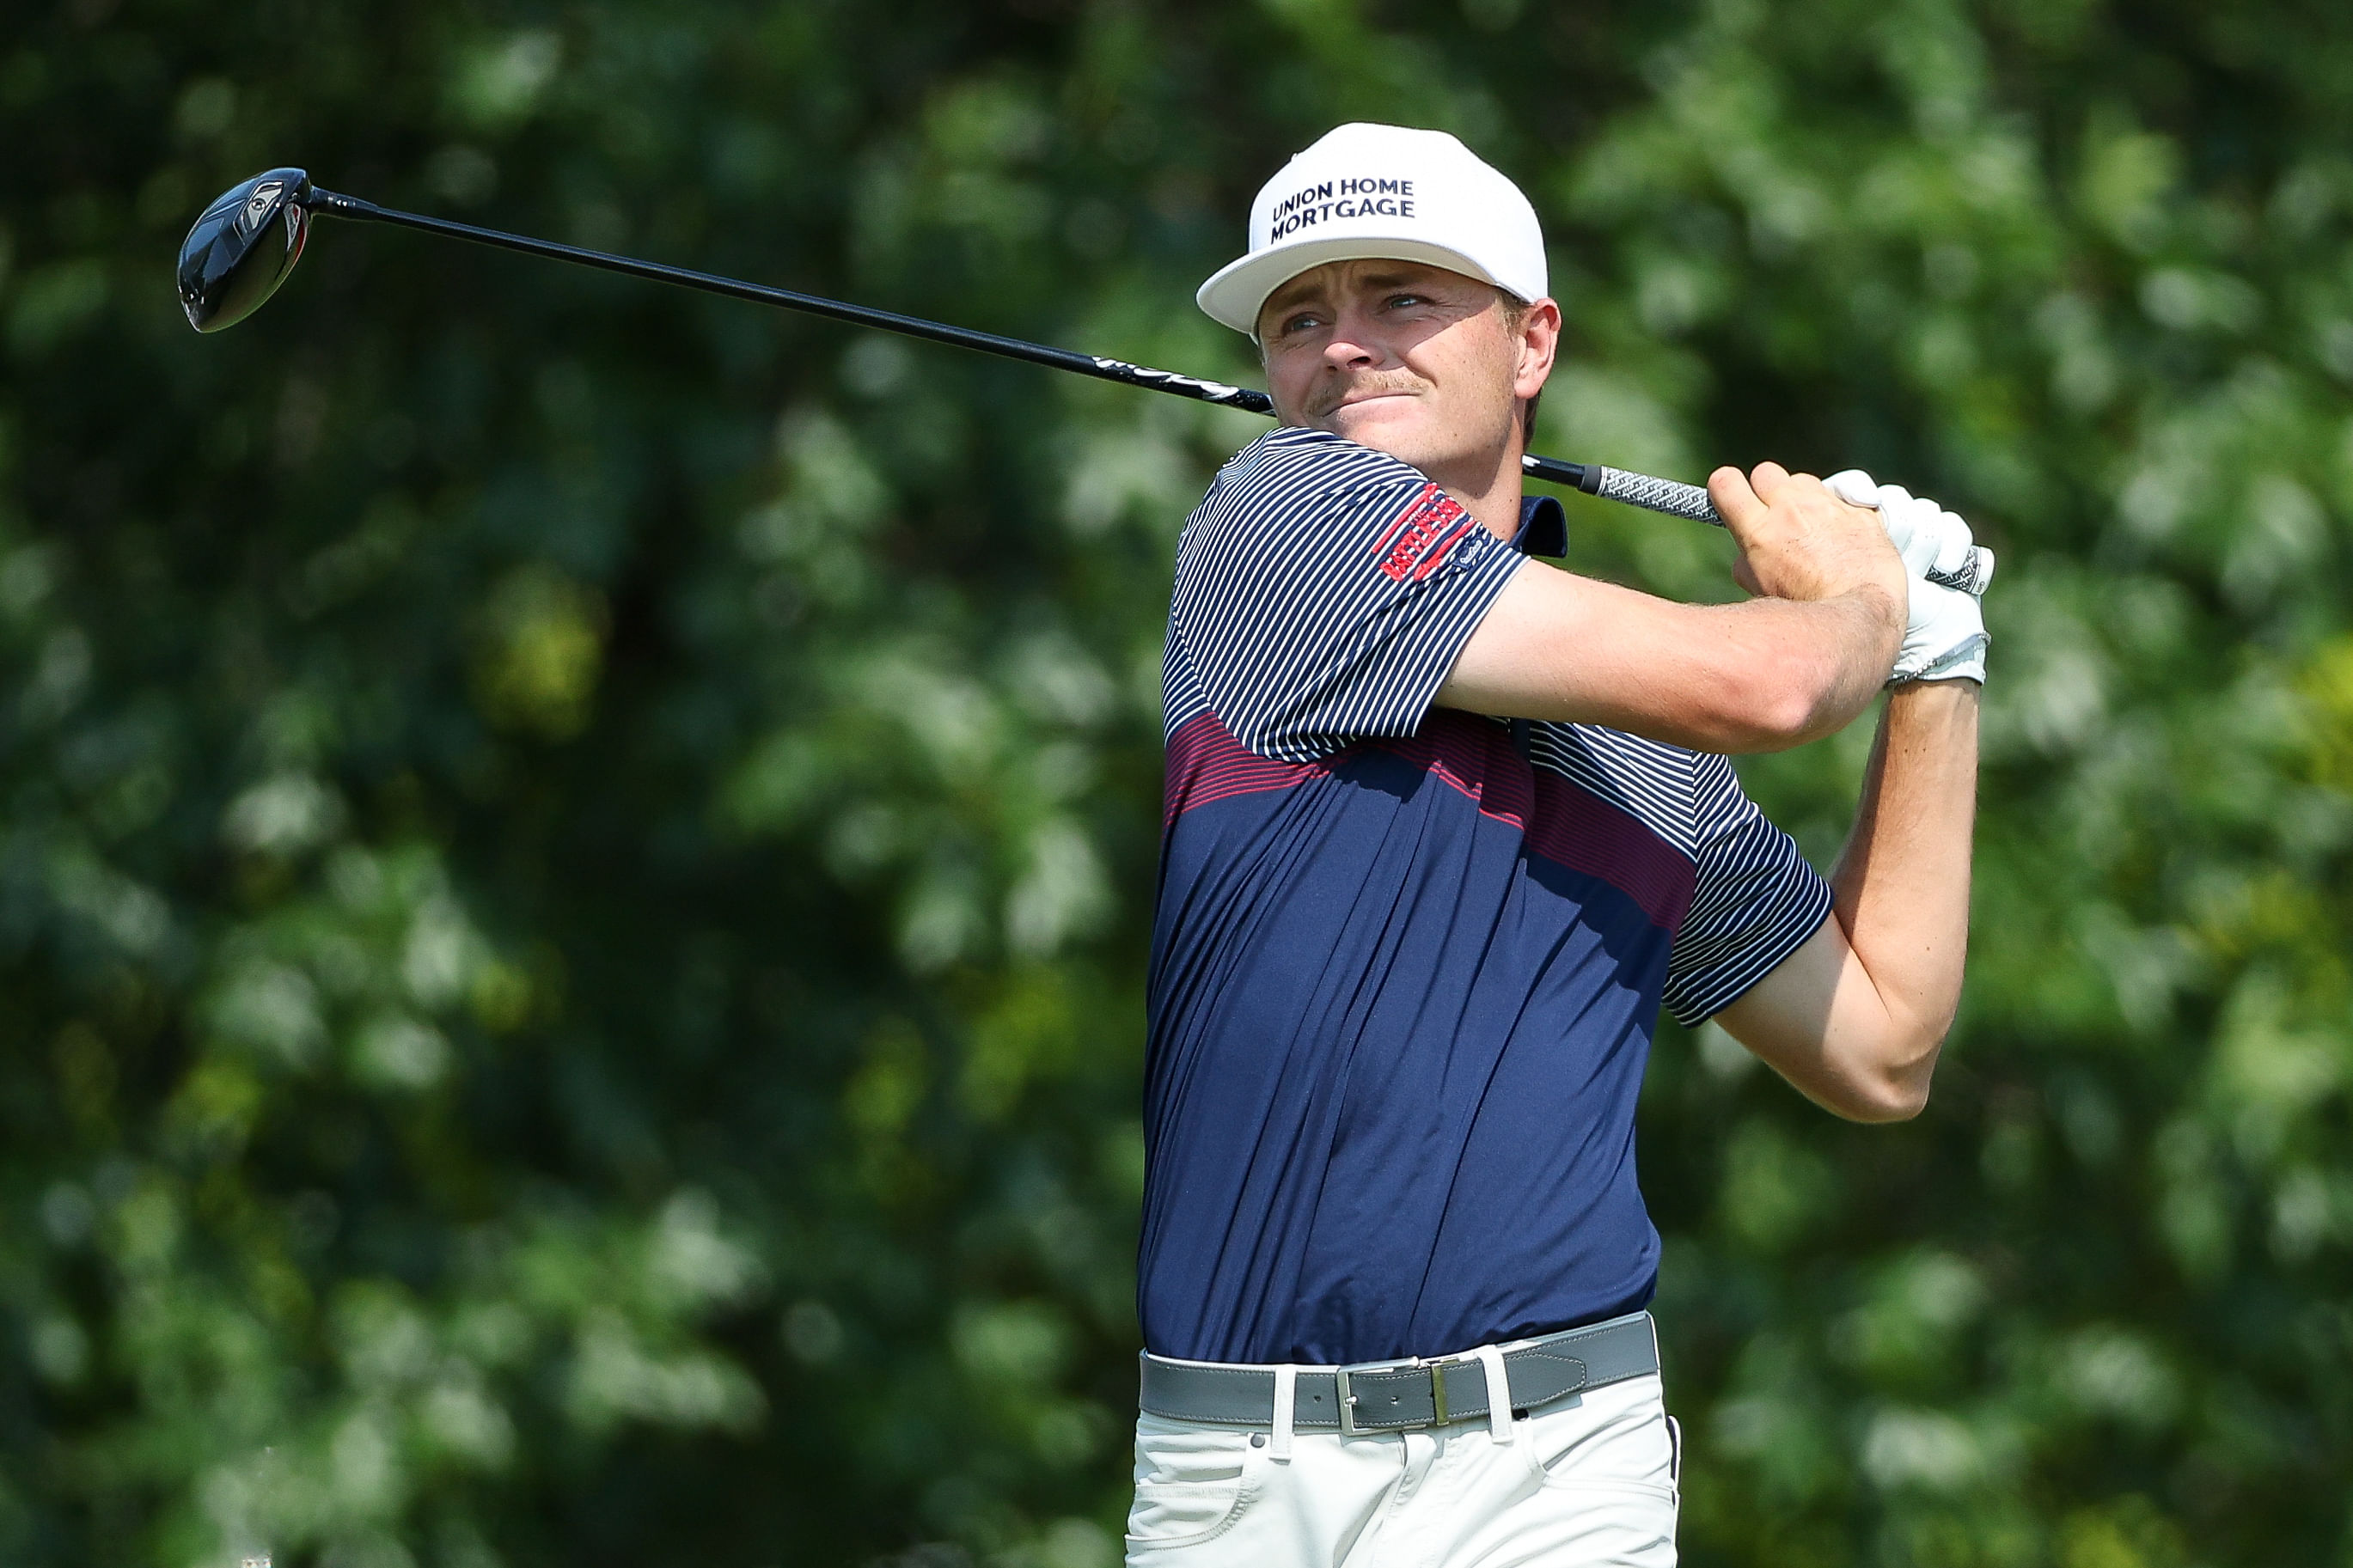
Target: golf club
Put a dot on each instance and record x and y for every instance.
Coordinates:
(245, 243)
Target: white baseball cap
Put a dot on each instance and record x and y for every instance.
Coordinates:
(1382, 192)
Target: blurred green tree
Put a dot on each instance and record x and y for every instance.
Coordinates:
(576, 859)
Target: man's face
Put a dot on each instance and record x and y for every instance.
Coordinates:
(1419, 362)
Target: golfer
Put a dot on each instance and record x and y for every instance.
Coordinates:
(1445, 826)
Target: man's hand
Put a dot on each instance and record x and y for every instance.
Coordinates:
(1799, 540)
(1945, 636)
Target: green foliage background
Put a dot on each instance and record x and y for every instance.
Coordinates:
(574, 860)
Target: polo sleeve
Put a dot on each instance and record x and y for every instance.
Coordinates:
(1754, 902)
(1323, 592)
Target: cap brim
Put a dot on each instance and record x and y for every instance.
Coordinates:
(1235, 292)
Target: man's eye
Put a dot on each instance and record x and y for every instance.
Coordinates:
(1300, 322)
(1399, 302)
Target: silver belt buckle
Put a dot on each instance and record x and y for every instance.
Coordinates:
(1347, 1398)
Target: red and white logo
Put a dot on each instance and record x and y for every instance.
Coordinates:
(1417, 542)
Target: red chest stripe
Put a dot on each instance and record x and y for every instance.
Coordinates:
(1206, 764)
(1558, 820)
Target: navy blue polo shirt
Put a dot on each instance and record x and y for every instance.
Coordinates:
(1406, 961)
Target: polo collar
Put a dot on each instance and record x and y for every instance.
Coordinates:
(1543, 527)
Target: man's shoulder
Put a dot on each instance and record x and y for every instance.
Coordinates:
(1293, 464)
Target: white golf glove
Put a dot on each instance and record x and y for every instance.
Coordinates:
(1945, 636)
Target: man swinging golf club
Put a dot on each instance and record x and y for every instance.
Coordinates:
(1444, 828)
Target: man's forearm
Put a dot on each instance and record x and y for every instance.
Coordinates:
(1761, 676)
(1855, 1016)
(1901, 891)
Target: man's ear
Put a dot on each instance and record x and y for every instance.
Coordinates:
(1539, 347)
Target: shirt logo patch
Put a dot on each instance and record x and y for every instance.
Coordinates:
(1417, 542)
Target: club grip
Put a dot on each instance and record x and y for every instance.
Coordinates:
(1668, 496)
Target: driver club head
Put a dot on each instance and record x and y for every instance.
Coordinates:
(243, 247)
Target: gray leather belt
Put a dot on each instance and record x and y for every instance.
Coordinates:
(1398, 1396)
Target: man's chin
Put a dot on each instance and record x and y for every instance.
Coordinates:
(1397, 425)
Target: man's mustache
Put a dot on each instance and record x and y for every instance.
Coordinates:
(1370, 386)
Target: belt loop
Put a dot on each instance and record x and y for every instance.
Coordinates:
(1286, 1399)
(1498, 1394)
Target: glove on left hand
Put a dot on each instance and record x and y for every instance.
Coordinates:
(1945, 636)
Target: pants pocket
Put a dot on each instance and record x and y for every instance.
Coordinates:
(1620, 1436)
(1191, 1483)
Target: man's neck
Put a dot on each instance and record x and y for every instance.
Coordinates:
(1491, 493)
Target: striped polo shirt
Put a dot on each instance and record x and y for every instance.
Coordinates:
(1406, 961)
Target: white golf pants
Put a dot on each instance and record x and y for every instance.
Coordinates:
(1589, 1482)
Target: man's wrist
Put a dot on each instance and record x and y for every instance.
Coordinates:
(1957, 694)
(1883, 615)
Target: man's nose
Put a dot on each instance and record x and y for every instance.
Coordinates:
(1351, 344)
